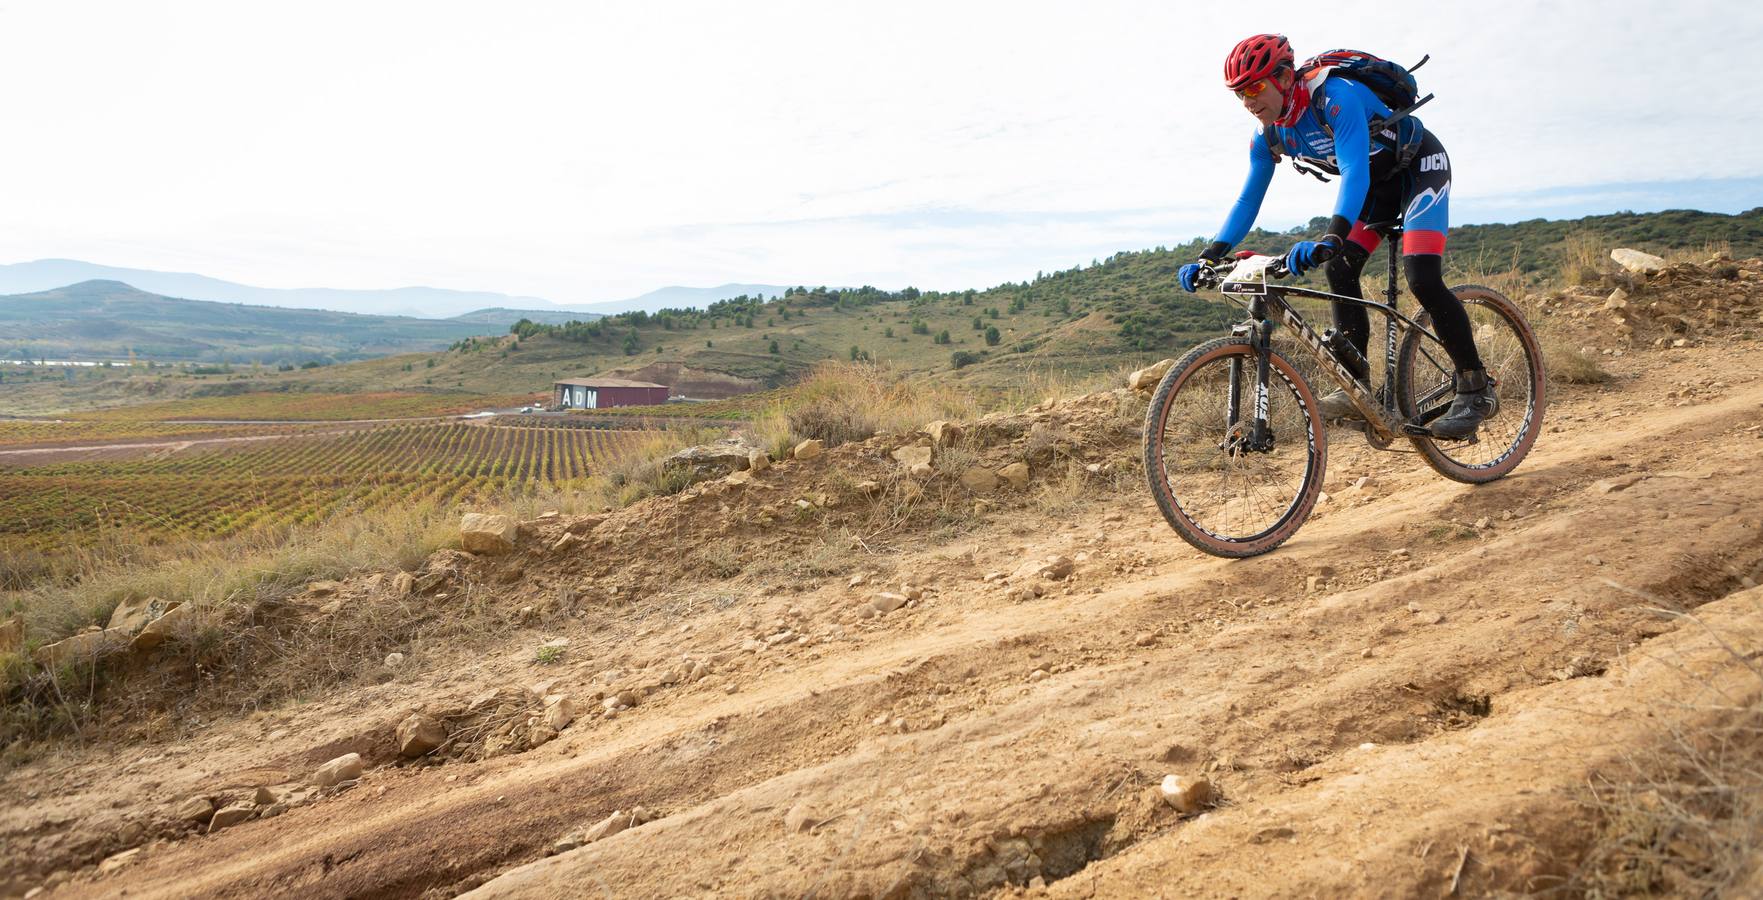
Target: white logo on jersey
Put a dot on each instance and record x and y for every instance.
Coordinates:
(1434, 163)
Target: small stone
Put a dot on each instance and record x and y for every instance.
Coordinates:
(1015, 474)
(116, 861)
(264, 796)
(856, 580)
(1186, 794)
(979, 479)
(1145, 640)
(347, 767)
(799, 819)
(1483, 523)
(887, 602)
(1037, 675)
(1145, 380)
(403, 584)
(1429, 618)
(911, 455)
(1313, 583)
(942, 433)
(195, 809)
(479, 533)
(419, 734)
(808, 449)
(228, 816)
(1365, 654)
(394, 660)
(758, 461)
(1592, 559)
(565, 542)
(1618, 300)
(868, 488)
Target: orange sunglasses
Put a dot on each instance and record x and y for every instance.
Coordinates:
(1254, 89)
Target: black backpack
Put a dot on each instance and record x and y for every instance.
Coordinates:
(1391, 83)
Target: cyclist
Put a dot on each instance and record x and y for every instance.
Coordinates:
(1325, 123)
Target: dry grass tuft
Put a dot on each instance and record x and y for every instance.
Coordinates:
(1567, 364)
(1685, 816)
(1585, 259)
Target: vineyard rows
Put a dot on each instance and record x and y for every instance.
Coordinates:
(294, 481)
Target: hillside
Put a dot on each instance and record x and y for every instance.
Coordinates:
(1075, 322)
(837, 677)
(45, 274)
(109, 320)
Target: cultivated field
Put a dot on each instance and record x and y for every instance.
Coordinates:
(229, 487)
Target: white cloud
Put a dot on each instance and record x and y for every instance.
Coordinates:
(588, 151)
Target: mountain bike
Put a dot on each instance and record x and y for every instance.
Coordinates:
(1235, 448)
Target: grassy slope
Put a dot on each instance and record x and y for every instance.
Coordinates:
(1106, 316)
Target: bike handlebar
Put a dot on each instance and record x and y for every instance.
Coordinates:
(1212, 274)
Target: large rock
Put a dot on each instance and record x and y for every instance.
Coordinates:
(88, 646)
(419, 735)
(911, 457)
(175, 623)
(347, 767)
(707, 461)
(403, 584)
(758, 461)
(479, 533)
(1145, 380)
(12, 635)
(1637, 261)
(808, 449)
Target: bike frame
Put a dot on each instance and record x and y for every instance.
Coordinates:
(1266, 301)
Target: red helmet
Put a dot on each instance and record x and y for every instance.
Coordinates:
(1255, 58)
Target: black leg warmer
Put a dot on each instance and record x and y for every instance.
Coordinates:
(1426, 279)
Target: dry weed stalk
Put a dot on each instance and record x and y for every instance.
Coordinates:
(1684, 816)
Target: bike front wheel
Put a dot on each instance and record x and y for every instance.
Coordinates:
(1223, 488)
(1514, 362)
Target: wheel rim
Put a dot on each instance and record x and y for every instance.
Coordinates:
(1510, 367)
(1231, 494)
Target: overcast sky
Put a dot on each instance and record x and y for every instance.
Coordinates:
(586, 151)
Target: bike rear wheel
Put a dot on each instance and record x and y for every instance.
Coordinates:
(1514, 362)
(1214, 489)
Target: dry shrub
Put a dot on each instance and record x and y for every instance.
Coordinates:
(1699, 255)
(1684, 817)
(1567, 364)
(1585, 259)
(841, 402)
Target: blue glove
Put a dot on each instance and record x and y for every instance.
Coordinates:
(1189, 275)
(1307, 255)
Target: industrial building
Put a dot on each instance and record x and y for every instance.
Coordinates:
(600, 393)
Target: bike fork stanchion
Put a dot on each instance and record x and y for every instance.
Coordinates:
(1261, 438)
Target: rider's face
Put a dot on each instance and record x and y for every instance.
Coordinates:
(1266, 104)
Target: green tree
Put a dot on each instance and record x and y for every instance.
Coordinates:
(993, 336)
(774, 347)
(978, 324)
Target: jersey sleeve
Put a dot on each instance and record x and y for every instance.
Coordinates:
(1248, 205)
(1346, 115)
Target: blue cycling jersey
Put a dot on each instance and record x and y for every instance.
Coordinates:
(1345, 147)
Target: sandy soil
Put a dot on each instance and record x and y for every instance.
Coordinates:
(1400, 702)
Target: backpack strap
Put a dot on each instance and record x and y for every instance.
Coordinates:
(1270, 136)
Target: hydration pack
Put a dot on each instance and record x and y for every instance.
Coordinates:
(1391, 83)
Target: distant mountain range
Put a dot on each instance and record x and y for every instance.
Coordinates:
(101, 319)
(418, 302)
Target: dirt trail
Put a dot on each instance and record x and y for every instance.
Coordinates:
(1405, 695)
